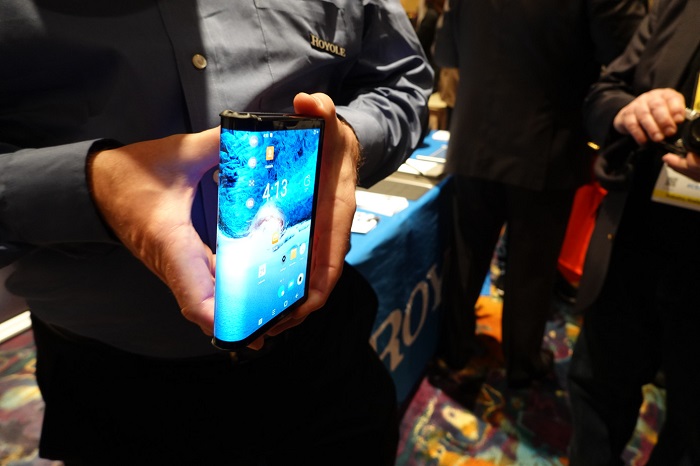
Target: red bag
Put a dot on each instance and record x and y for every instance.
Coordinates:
(578, 232)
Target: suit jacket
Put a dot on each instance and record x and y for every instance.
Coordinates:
(656, 57)
(525, 68)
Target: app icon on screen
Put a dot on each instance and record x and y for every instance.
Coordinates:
(262, 270)
(270, 153)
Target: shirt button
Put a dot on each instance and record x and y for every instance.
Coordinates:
(199, 61)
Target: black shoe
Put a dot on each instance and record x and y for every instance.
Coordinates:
(660, 379)
(542, 369)
(463, 386)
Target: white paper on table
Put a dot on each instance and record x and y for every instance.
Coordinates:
(380, 203)
(364, 222)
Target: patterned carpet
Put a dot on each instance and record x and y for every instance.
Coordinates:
(21, 406)
(471, 418)
(465, 418)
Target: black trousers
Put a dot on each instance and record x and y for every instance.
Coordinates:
(645, 318)
(321, 396)
(537, 223)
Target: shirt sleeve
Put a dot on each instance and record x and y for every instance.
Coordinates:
(612, 25)
(387, 91)
(614, 89)
(45, 199)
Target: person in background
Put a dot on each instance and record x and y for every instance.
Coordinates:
(518, 152)
(448, 82)
(643, 263)
(108, 140)
(429, 13)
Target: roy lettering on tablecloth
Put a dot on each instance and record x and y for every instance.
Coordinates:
(399, 321)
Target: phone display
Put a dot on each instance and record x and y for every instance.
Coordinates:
(268, 180)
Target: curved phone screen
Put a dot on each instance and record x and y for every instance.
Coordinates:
(268, 180)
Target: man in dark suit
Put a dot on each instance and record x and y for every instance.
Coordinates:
(518, 152)
(639, 283)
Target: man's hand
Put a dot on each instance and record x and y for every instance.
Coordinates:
(654, 116)
(688, 165)
(336, 206)
(144, 192)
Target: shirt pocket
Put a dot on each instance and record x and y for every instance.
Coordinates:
(294, 25)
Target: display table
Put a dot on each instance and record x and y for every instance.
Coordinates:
(402, 258)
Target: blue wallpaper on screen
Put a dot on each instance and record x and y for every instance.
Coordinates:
(266, 191)
(294, 159)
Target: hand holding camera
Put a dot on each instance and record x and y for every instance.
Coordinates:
(687, 139)
(684, 152)
(652, 117)
(660, 118)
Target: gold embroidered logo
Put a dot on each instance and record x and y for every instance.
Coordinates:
(330, 47)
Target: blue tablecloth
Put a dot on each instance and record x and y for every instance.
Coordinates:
(403, 259)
